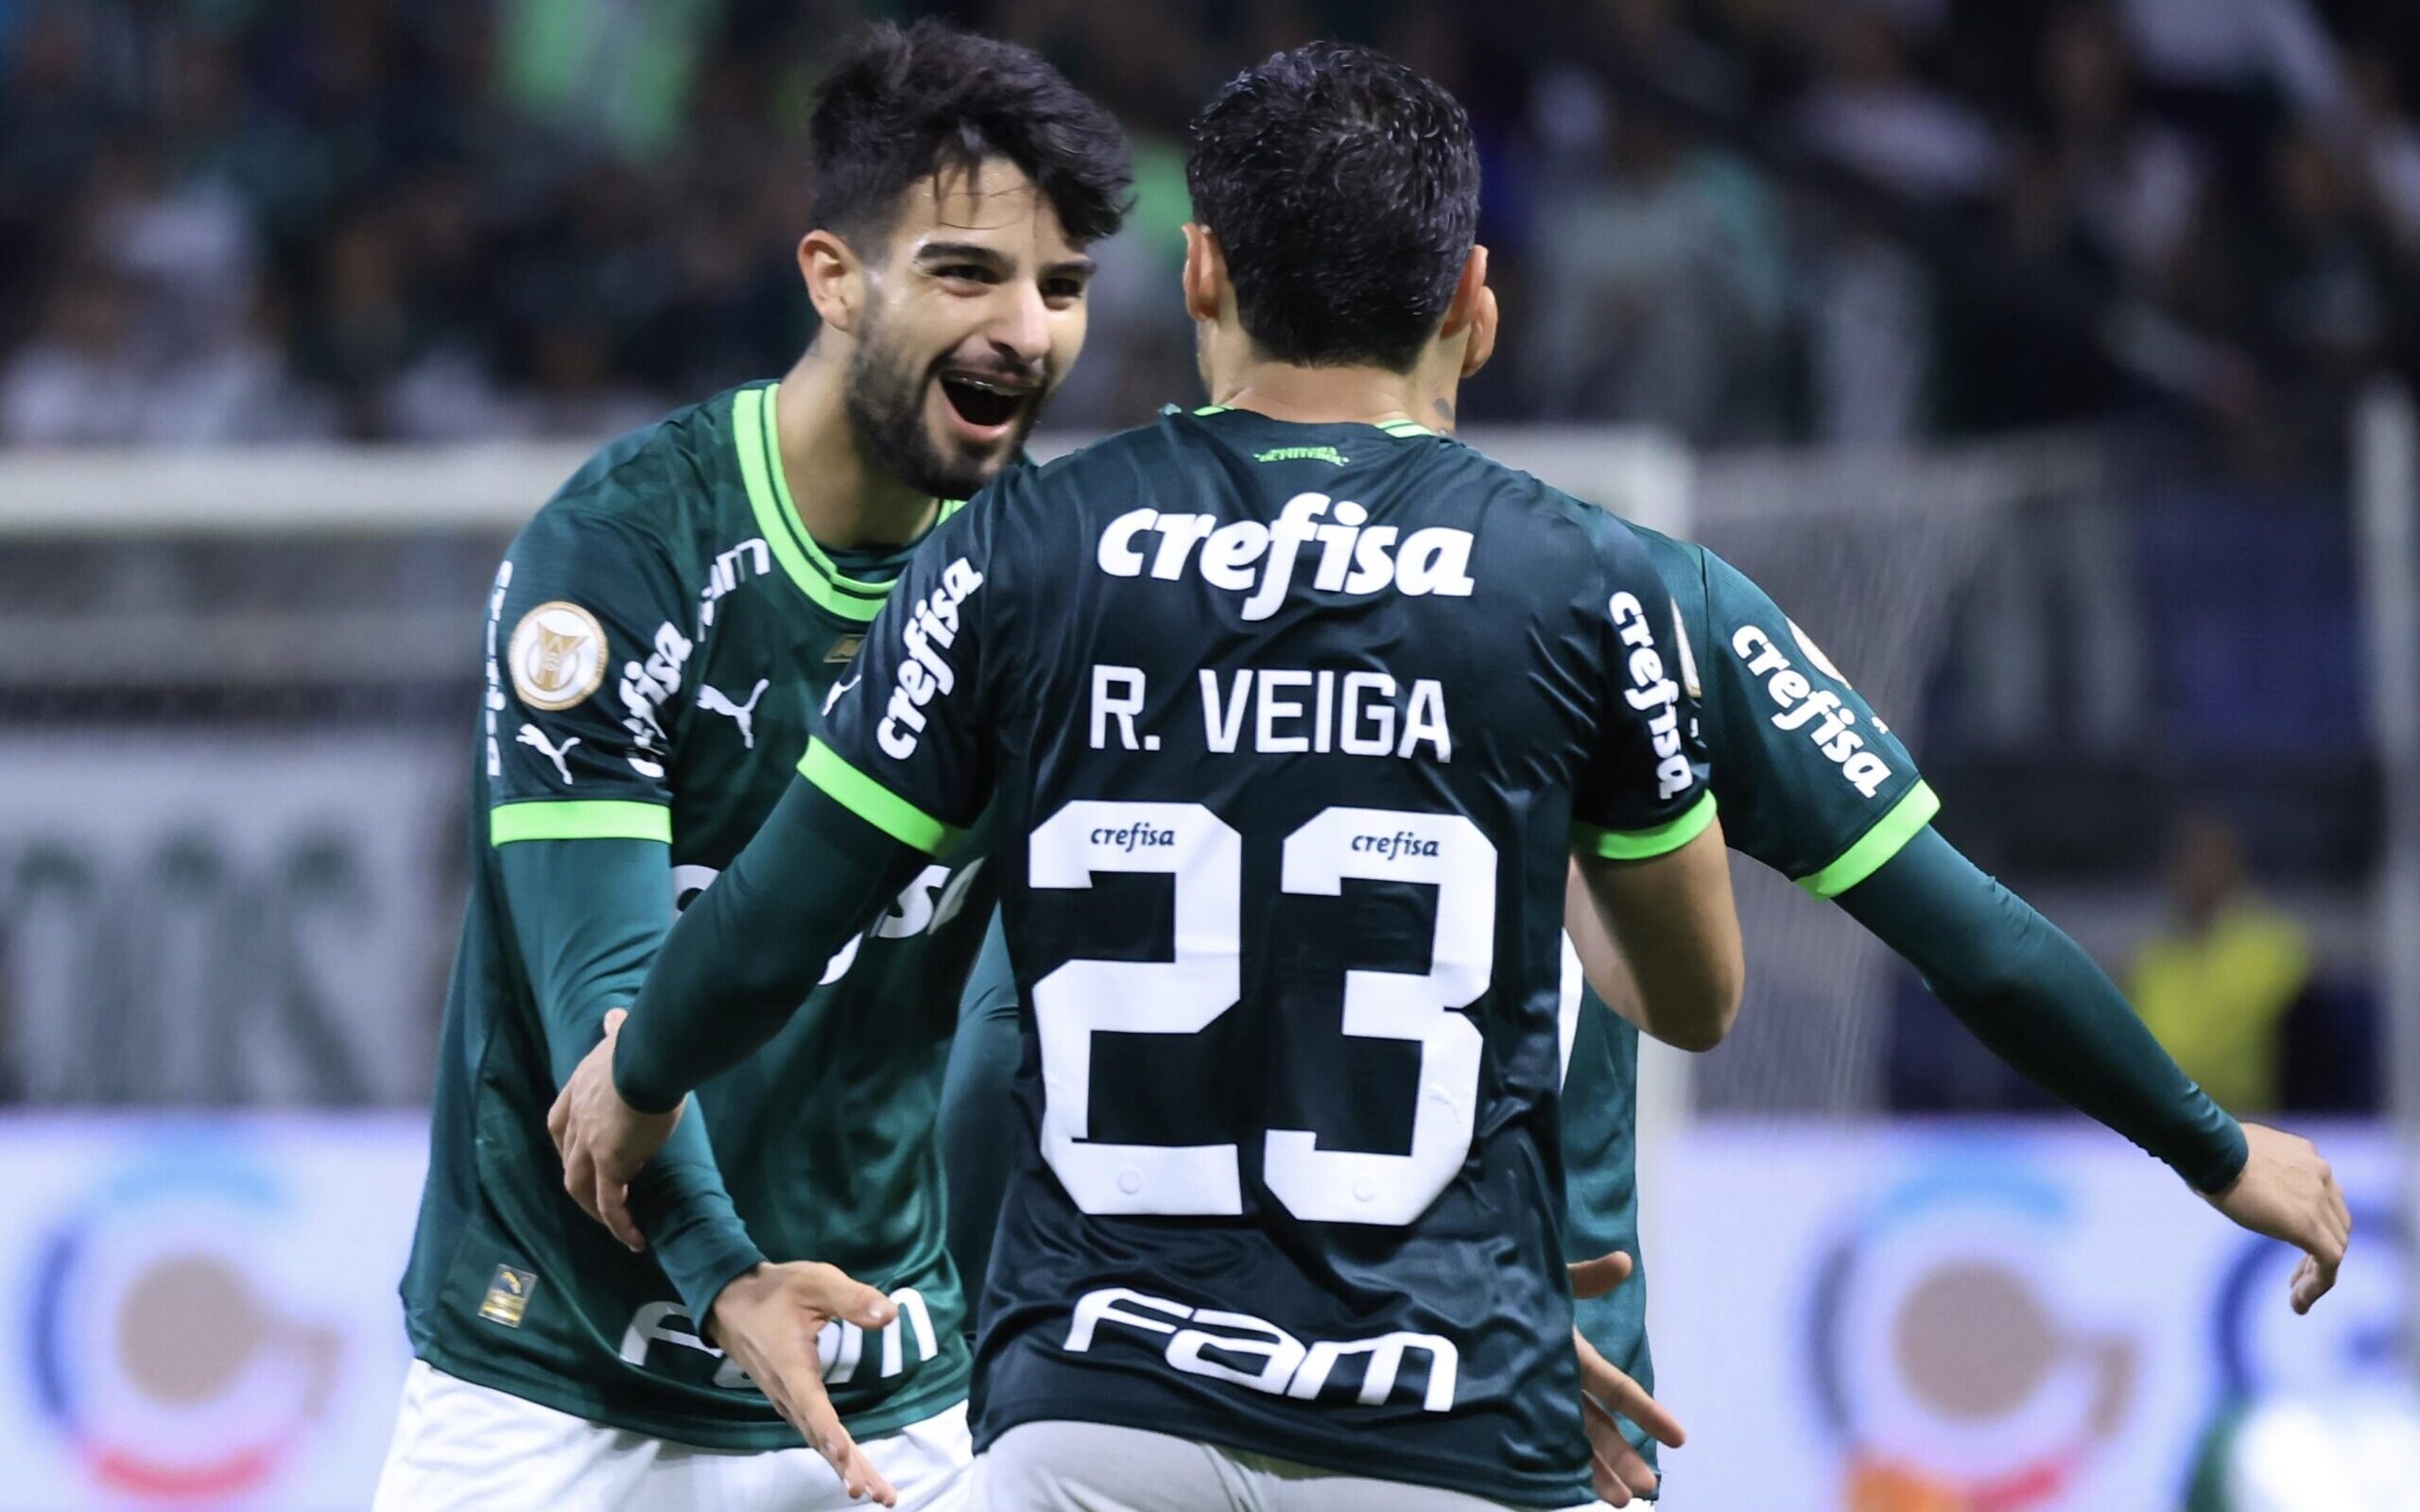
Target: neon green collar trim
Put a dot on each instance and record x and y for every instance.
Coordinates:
(768, 496)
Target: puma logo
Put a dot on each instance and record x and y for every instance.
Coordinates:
(840, 688)
(715, 701)
(536, 740)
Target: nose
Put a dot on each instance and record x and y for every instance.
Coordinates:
(1021, 328)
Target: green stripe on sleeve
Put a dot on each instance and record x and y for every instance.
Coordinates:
(1645, 845)
(604, 818)
(872, 802)
(1913, 811)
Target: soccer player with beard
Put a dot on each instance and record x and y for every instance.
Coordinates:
(661, 639)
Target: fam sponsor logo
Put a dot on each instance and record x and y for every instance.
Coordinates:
(1818, 711)
(925, 673)
(839, 1345)
(1268, 1358)
(1246, 557)
(161, 1347)
(1650, 690)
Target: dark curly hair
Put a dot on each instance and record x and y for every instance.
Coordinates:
(1344, 187)
(928, 98)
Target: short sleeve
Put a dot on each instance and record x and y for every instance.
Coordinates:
(1814, 783)
(588, 639)
(906, 743)
(1642, 791)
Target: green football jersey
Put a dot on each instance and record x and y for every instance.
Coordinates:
(1812, 783)
(660, 640)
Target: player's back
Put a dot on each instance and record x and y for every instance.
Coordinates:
(1328, 693)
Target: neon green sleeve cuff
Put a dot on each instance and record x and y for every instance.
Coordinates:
(1645, 845)
(579, 820)
(1889, 835)
(872, 802)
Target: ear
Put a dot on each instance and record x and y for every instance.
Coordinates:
(1205, 273)
(1473, 309)
(835, 280)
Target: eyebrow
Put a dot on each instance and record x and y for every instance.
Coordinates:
(976, 252)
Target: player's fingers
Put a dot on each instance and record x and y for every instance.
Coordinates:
(614, 1017)
(1607, 1482)
(1614, 1453)
(1594, 1278)
(834, 1292)
(559, 1118)
(1629, 1399)
(1602, 1382)
(810, 1412)
(579, 1179)
(613, 1208)
(1612, 1464)
(2313, 1279)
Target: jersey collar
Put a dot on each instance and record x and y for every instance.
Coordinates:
(768, 496)
(1393, 427)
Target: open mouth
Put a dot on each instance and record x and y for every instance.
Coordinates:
(983, 403)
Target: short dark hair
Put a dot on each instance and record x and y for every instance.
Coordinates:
(928, 98)
(1344, 187)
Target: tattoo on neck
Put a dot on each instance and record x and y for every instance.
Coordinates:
(1444, 409)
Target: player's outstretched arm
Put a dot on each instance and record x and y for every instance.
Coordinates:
(1674, 920)
(588, 915)
(731, 973)
(2023, 987)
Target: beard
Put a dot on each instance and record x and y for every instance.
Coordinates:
(884, 398)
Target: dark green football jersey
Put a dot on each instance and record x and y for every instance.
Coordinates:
(1811, 783)
(1292, 729)
(659, 642)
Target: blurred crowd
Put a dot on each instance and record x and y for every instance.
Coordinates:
(1741, 220)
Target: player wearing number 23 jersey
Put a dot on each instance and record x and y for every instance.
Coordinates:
(1288, 731)
(1289, 759)
(1287, 718)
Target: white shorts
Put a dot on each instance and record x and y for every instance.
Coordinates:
(465, 1447)
(1075, 1467)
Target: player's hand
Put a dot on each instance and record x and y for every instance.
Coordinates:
(603, 1140)
(767, 1320)
(2287, 1192)
(1619, 1471)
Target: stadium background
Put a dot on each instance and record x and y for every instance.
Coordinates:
(2044, 360)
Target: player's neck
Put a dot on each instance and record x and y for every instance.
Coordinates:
(844, 500)
(1338, 396)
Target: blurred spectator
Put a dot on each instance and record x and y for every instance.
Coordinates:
(1645, 303)
(1870, 110)
(80, 380)
(2131, 181)
(459, 217)
(2217, 983)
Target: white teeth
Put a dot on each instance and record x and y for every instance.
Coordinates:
(984, 384)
